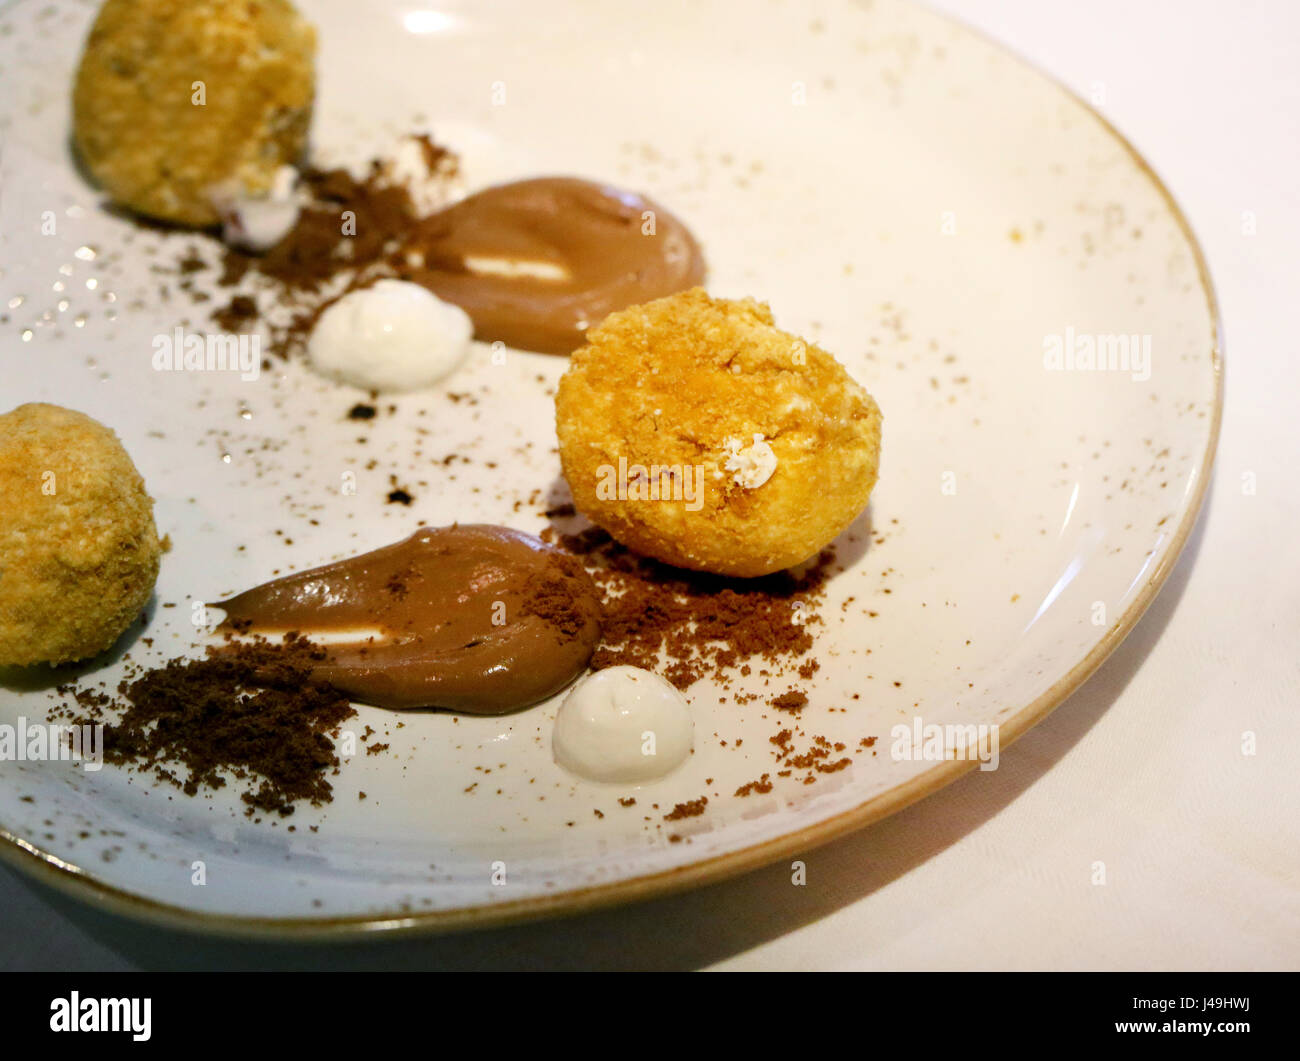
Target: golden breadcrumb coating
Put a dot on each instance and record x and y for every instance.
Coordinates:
(673, 388)
(78, 548)
(138, 128)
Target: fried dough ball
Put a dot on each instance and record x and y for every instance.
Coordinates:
(137, 120)
(696, 432)
(78, 548)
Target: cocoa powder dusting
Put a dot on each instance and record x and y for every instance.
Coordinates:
(236, 314)
(687, 625)
(349, 233)
(249, 709)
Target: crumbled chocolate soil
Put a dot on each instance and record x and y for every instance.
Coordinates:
(249, 709)
(687, 625)
(349, 233)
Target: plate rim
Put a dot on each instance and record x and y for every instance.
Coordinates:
(76, 881)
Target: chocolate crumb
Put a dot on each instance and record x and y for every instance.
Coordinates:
(249, 709)
(793, 701)
(690, 809)
(761, 786)
(689, 625)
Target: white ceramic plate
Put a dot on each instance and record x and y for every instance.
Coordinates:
(898, 188)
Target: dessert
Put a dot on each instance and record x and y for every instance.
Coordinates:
(690, 429)
(181, 106)
(533, 263)
(79, 551)
(537, 262)
(390, 336)
(623, 724)
(696, 432)
(479, 619)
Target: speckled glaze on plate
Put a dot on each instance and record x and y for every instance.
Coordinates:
(901, 190)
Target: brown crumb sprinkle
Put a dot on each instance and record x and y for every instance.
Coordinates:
(762, 786)
(249, 709)
(690, 809)
(698, 625)
(793, 701)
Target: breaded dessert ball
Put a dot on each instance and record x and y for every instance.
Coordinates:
(163, 145)
(696, 432)
(78, 548)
